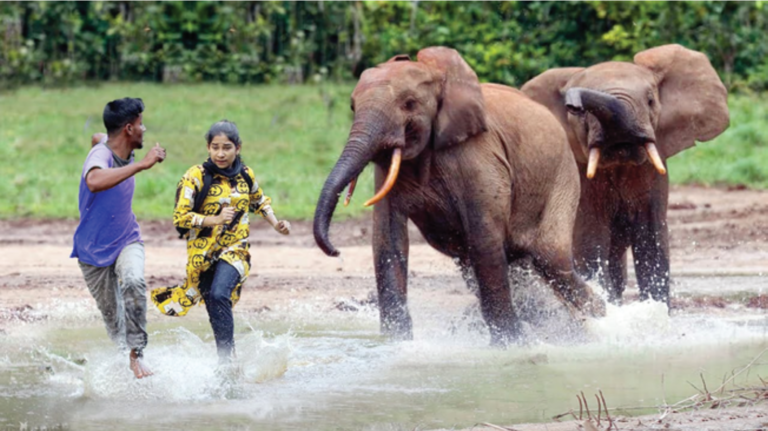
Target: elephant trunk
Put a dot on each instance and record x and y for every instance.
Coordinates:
(613, 114)
(617, 121)
(360, 150)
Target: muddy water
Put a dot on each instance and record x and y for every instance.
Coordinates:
(305, 367)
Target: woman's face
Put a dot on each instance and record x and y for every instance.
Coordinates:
(222, 151)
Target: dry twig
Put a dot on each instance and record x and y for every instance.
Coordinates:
(607, 415)
(586, 406)
(599, 409)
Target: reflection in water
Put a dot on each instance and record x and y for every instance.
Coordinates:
(305, 367)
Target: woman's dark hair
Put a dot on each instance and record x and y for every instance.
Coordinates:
(226, 128)
(120, 112)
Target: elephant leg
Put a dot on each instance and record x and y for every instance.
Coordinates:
(651, 258)
(617, 273)
(490, 266)
(553, 256)
(559, 271)
(390, 255)
(491, 272)
(615, 277)
(468, 275)
(650, 247)
(592, 246)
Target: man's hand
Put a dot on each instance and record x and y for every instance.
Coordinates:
(97, 137)
(154, 155)
(283, 226)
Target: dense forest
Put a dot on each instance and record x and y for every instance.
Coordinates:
(59, 43)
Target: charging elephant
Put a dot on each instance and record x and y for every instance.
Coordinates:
(484, 173)
(623, 121)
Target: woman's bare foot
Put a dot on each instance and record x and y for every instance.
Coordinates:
(138, 366)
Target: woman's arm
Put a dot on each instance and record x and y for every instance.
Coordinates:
(225, 216)
(260, 204)
(186, 190)
(282, 226)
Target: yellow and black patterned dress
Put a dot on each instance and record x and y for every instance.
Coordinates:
(206, 245)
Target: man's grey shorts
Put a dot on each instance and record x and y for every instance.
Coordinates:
(120, 292)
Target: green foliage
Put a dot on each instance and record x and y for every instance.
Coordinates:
(56, 43)
(231, 42)
(292, 137)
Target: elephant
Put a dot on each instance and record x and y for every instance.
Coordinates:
(482, 171)
(624, 120)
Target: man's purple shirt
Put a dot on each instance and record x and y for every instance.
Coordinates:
(107, 223)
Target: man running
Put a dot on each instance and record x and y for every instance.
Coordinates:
(107, 242)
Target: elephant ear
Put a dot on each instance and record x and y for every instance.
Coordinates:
(694, 102)
(549, 90)
(461, 108)
(399, 57)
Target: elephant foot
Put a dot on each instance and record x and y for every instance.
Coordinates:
(615, 298)
(659, 295)
(400, 329)
(502, 337)
(587, 302)
(591, 304)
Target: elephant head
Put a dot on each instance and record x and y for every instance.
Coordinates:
(634, 113)
(402, 108)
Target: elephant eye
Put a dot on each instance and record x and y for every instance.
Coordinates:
(410, 104)
(650, 101)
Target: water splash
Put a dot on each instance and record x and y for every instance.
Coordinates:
(638, 323)
(331, 370)
(186, 367)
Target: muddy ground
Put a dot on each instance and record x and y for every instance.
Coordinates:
(714, 231)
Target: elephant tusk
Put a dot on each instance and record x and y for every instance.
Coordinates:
(350, 191)
(653, 154)
(594, 159)
(394, 169)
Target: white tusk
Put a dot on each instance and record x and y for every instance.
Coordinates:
(594, 159)
(653, 154)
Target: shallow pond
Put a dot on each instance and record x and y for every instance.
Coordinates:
(305, 367)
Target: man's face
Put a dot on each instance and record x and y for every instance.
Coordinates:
(136, 131)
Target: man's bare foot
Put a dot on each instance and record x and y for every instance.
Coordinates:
(138, 366)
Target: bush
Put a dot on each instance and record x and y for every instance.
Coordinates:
(253, 42)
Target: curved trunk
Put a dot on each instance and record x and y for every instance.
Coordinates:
(612, 113)
(360, 149)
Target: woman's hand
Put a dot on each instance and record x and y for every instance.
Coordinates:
(225, 216)
(283, 226)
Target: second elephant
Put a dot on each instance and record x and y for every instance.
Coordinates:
(623, 121)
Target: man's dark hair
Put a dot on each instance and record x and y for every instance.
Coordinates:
(120, 112)
(226, 128)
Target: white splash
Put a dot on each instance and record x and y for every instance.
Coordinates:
(632, 324)
(185, 367)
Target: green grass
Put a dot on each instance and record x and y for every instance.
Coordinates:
(291, 139)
